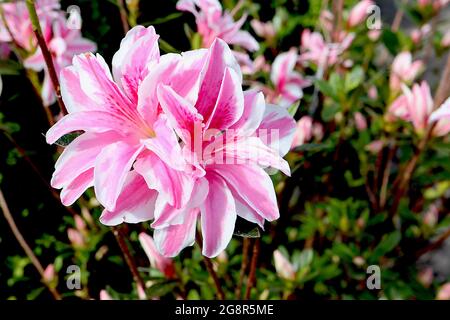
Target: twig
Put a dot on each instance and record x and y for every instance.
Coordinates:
(405, 176)
(385, 181)
(210, 269)
(435, 244)
(123, 16)
(30, 74)
(30, 162)
(244, 264)
(338, 7)
(251, 281)
(46, 53)
(129, 259)
(30, 254)
(398, 16)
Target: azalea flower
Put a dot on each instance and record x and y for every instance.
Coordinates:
(213, 22)
(157, 261)
(121, 125)
(360, 121)
(284, 268)
(63, 44)
(287, 82)
(305, 131)
(19, 23)
(416, 106)
(359, 13)
(315, 50)
(265, 30)
(404, 70)
(227, 160)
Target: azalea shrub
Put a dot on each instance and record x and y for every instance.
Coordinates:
(205, 149)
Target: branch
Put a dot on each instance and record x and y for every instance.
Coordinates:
(30, 254)
(251, 281)
(46, 53)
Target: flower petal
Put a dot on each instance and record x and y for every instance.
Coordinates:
(218, 216)
(77, 187)
(171, 240)
(136, 203)
(112, 167)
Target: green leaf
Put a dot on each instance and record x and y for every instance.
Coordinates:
(165, 19)
(66, 139)
(354, 79)
(166, 47)
(328, 112)
(326, 89)
(387, 244)
(161, 289)
(293, 108)
(246, 229)
(391, 41)
(9, 67)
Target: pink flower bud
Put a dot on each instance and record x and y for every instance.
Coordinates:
(444, 292)
(49, 273)
(75, 237)
(157, 261)
(361, 123)
(359, 13)
(375, 146)
(283, 267)
(80, 224)
(105, 295)
(425, 277)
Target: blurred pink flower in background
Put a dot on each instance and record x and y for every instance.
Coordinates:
(229, 120)
(18, 21)
(416, 106)
(418, 34)
(444, 292)
(426, 276)
(375, 146)
(284, 268)
(404, 70)
(157, 261)
(372, 93)
(49, 273)
(431, 216)
(359, 13)
(104, 295)
(287, 82)
(265, 30)
(213, 22)
(315, 50)
(306, 130)
(76, 238)
(436, 4)
(63, 44)
(360, 121)
(445, 42)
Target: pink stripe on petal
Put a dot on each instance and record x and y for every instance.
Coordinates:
(218, 216)
(112, 167)
(171, 240)
(253, 185)
(77, 187)
(136, 203)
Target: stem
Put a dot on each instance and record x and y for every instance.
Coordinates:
(46, 53)
(251, 281)
(128, 258)
(30, 74)
(30, 162)
(441, 94)
(338, 7)
(398, 16)
(245, 251)
(435, 244)
(123, 16)
(30, 254)
(209, 267)
(385, 181)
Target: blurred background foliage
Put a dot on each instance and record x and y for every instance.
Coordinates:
(330, 229)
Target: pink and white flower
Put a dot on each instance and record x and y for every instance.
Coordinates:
(19, 23)
(317, 51)
(359, 13)
(287, 82)
(404, 70)
(306, 130)
(121, 125)
(63, 44)
(227, 161)
(416, 106)
(284, 268)
(213, 22)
